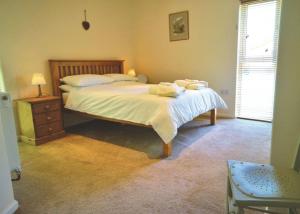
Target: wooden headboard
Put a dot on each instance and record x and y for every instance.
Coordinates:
(62, 68)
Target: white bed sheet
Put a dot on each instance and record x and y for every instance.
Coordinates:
(130, 101)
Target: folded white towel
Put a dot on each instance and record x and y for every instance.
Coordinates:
(166, 83)
(181, 83)
(195, 86)
(166, 90)
(192, 84)
(191, 81)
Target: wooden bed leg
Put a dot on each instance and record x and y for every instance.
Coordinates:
(167, 149)
(213, 116)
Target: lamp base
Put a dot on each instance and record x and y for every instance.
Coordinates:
(40, 91)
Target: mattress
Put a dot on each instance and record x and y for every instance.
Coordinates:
(130, 101)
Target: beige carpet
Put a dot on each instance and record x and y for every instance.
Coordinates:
(107, 168)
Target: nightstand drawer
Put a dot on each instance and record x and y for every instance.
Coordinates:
(46, 107)
(45, 118)
(49, 129)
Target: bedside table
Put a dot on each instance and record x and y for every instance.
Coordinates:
(40, 119)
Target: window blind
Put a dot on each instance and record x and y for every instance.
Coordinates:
(257, 58)
(254, 1)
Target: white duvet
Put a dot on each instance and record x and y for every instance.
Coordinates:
(130, 101)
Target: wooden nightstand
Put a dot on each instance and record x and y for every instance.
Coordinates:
(40, 119)
(142, 78)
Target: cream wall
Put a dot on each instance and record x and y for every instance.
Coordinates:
(286, 126)
(209, 54)
(34, 31)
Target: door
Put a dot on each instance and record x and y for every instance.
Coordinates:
(7, 202)
(9, 131)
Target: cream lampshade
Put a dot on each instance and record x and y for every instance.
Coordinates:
(38, 79)
(131, 72)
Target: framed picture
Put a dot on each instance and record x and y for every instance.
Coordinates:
(179, 26)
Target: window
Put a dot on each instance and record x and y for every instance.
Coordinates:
(257, 59)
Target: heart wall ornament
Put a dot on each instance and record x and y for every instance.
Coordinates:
(85, 23)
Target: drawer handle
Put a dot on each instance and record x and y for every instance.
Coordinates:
(47, 106)
(49, 118)
(50, 129)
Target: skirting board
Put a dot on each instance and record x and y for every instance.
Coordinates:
(11, 208)
(226, 116)
(219, 115)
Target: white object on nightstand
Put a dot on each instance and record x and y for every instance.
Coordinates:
(131, 73)
(142, 78)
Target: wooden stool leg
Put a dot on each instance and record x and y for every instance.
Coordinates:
(167, 149)
(228, 197)
(213, 116)
(231, 208)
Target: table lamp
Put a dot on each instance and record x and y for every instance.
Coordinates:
(131, 72)
(38, 79)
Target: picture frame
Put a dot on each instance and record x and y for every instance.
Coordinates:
(179, 26)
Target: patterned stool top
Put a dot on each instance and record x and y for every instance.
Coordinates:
(265, 181)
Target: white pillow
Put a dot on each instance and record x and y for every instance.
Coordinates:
(121, 77)
(86, 80)
(68, 88)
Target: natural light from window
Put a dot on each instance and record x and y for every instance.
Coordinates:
(2, 86)
(257, 60)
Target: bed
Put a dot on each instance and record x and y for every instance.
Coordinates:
(129, 102)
